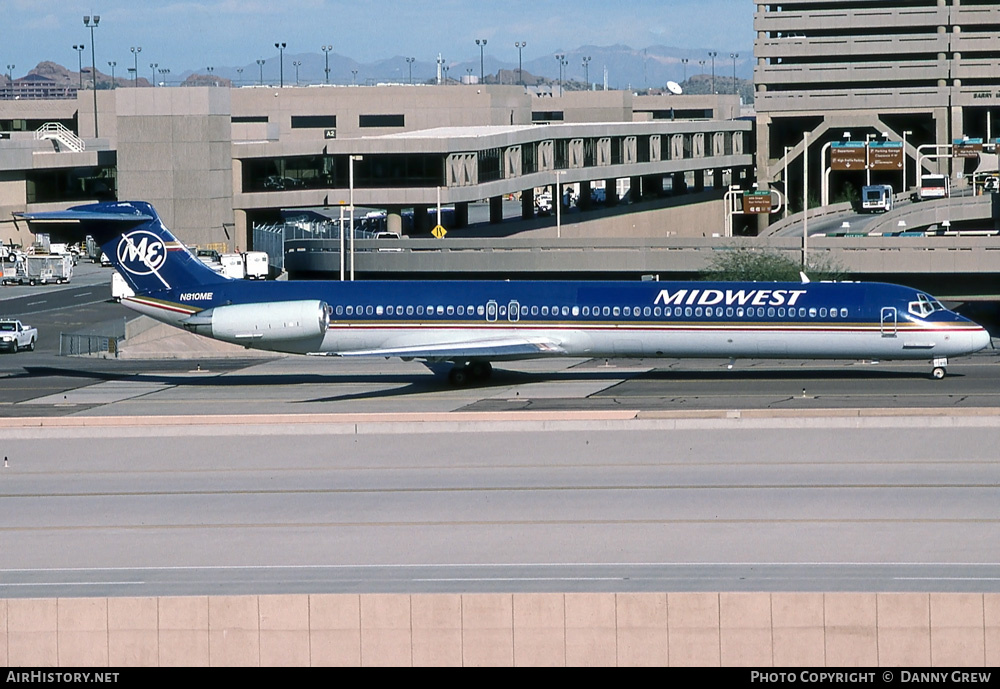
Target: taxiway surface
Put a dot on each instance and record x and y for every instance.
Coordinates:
(170, 477)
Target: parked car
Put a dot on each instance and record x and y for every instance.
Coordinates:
(278, 183)
(14, 336)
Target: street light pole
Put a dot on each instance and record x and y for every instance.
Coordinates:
(260, 64)
(784, 179)
(153, 66)
(905, 134)
(560, 57)
(520, 46)
(297, 64)
(93, 62)
(481, 42)
(135, 55)
(586, 70)
(734, 56)
(79, 55)
(281, 67)
(868, 162)
(352, 158)
(409, 64)
(112, 66)
(805, 200)
(558, 202)
(713, 54)
(326, 53)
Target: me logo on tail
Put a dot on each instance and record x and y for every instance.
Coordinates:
(141, 252)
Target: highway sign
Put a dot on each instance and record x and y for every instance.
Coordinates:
(885, 155)
(967, 148)
(757, 202)
(849, 155)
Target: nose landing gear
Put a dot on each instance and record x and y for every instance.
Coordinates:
(938, 372)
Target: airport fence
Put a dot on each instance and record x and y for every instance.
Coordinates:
(103, 339)
(271, 237)
(88, 345)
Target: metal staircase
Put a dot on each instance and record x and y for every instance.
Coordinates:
(62, 137)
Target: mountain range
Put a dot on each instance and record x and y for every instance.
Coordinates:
(637, 69)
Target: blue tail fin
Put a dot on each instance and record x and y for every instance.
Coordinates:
(140, 248)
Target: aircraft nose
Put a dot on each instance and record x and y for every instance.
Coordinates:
(980, 339)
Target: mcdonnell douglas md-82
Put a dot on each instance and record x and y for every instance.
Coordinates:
(474, 323)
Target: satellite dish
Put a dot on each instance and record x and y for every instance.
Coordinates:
(674, 88)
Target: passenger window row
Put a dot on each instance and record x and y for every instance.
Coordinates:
(596, 311)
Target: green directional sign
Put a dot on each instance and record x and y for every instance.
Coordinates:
(757, 202)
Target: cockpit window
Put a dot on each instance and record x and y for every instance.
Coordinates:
(925, 306)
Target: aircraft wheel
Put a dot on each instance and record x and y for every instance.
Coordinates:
(938, 373)
(481, 370)
(458, 376)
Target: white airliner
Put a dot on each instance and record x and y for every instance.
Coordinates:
(474, 323)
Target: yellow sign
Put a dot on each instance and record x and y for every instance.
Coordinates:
(439, 232)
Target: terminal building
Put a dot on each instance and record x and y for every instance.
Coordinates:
(216, 161)
(921, 72)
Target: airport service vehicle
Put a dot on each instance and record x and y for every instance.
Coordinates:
(472, 324)
(232, 266)
(876, 198)
(934, 187)
(543, 203)
(41, 270)
(256, 265)
(14, 335)
(119, 288)
(10, 254)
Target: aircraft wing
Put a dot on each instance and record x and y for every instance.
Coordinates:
(492, 350)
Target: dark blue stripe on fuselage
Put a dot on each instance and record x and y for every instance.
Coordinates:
(863, 301)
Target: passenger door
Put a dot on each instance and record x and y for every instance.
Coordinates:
(888, 321)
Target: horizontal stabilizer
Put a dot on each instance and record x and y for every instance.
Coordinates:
(83, 216)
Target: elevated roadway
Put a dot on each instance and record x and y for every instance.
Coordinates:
(979, 212)
(948, 265)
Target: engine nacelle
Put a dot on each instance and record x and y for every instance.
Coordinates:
(264, 323)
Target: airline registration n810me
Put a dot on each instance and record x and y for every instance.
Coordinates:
(474, 323)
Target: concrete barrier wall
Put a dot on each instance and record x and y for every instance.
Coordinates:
(575, 629)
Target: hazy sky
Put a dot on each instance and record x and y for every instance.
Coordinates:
(188, 35)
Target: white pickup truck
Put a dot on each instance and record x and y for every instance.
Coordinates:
(15, 336)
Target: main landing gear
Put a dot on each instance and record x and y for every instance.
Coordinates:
(465, 373)
(938, 372)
